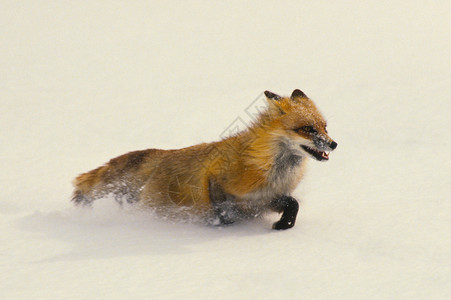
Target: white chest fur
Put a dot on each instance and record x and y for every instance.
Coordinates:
(283, 177)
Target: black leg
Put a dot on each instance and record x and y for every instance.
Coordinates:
(289, 207)
(224, 207)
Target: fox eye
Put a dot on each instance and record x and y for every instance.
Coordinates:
(308, 129)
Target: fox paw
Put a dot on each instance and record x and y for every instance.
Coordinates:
(281, 225)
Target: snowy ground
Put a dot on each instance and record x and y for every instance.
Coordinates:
(84, 81)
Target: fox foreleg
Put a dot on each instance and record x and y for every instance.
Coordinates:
(289, 208)
(224, 207)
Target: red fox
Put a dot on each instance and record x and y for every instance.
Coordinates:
(239, 177)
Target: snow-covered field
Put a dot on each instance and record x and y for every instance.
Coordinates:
(84, 81)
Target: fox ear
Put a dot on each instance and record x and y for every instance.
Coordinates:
(274, 106)
(271, 95)
(298, 94)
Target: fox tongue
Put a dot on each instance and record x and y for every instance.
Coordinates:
(319, 155)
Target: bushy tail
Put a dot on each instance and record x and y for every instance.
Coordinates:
(85, 184)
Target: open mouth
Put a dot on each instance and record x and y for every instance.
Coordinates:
(319, 155)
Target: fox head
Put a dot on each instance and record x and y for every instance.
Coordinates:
(297, 123)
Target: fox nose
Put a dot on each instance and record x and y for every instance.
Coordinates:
(333, 145)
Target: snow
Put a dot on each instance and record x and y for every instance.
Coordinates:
(82, 82)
